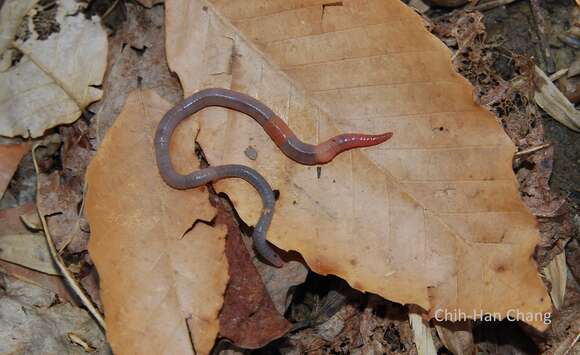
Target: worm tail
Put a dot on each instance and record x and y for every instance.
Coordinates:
(329, 149)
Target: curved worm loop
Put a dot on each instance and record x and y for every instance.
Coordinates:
(278, 131)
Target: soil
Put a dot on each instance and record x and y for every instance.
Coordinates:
(513, 26)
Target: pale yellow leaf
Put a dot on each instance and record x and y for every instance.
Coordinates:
(56, 78)
(11, 16)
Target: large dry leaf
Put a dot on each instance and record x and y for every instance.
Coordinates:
(56, 78)
(433, 216)
(156, 282)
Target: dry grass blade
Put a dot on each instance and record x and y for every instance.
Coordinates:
(422, 335)
(551, 100)
(556, 272)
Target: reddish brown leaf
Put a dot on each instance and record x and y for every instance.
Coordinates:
(248, 317)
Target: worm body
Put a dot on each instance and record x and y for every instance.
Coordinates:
(278, 131)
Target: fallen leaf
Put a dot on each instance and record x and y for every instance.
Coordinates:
(280, 281)
(11, 15)
(32, 253)
(55, 284)
(10, 218)
(10, 156)
(19, 246)
(457, 337)
(35, 323)
(248, 317)
(60, 193)
(358, 323)
(428, 218)
(157, 279)
(90, 283)
(56, 78)
(28, 250)
(556, 273)
(136, 61)
(549, 98)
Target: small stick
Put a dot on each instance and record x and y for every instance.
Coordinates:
(541, 30)
(58, 260)
(531, 150)
(488, 5)
(574, 341)
(110, 9)
(560, 73)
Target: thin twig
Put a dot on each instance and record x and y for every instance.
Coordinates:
(58, 260)
(541, 30)
(110, 9)
(531, 150)
(560, 73)
(488, 5)
(574, 341)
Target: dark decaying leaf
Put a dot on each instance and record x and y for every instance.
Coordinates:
(248, 318)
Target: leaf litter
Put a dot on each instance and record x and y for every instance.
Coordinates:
(554, 245)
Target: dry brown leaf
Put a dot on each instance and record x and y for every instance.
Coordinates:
(432, 217)
(10, 156)
(60, 193)
(155, 281)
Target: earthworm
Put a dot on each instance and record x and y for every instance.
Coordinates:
(278, 131)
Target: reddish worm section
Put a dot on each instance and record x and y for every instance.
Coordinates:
(278, 131)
